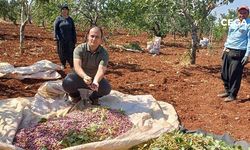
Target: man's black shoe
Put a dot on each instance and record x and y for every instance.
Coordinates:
(95, 102)
(222, 95)
(75, 100)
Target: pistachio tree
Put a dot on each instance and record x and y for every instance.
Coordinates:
(152, 16)
(9, 10)
(195, 12)
(4, 8)
(91, 11)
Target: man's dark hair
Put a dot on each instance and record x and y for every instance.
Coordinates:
(64, 6)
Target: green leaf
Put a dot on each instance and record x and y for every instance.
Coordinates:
(42, 120)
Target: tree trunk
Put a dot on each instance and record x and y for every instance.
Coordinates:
(174, 33)
(201, 33)
(43, 24)
(22, 27)
(21, 30)
(211, 36)
(157, 30)
(194, 43)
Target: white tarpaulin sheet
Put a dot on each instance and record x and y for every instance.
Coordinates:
(43, 69)
(150, 117)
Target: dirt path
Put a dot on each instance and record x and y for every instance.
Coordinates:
(192, 90)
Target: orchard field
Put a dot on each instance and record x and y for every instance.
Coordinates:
(191, 89)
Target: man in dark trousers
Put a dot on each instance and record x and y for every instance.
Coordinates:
(235, 55)
(90, 65)
(65, 35)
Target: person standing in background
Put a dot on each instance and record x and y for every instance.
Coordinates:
(65, 35)
(235, 54)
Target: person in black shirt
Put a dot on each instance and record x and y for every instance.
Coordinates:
(65, 35)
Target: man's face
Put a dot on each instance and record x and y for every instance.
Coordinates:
(94, 37)
(243, 14)
(65, 11)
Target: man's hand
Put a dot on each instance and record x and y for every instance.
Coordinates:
(87, 80)
(244, 61)
(94, 86)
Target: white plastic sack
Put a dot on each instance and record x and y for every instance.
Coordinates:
(43, 69)
(154, 46)
(5, 68)
(150, 117)
(204, 42)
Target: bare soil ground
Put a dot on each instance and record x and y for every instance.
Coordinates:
(190, 89)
